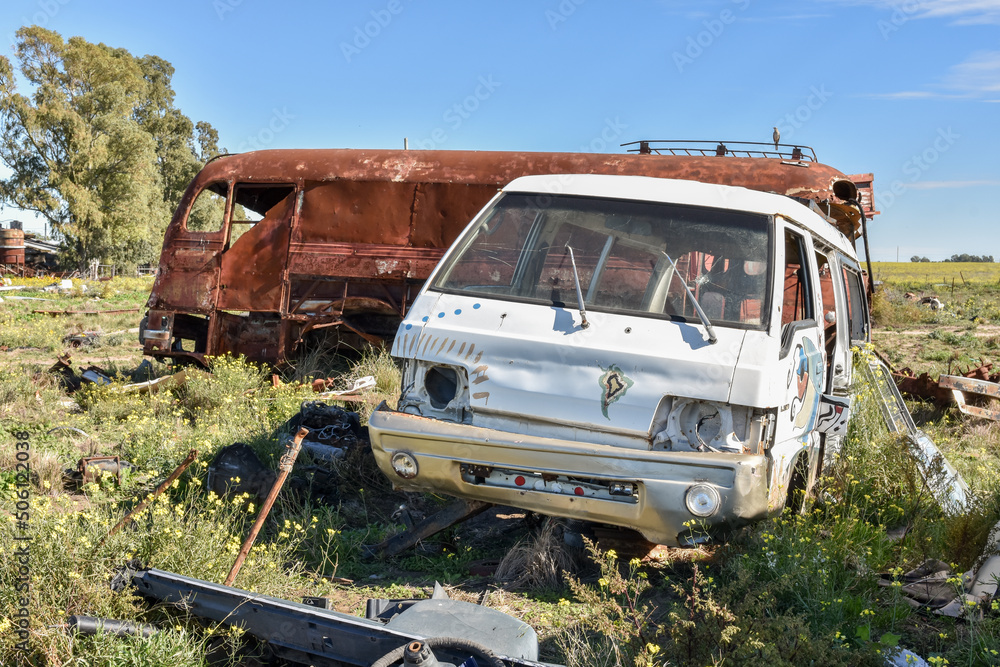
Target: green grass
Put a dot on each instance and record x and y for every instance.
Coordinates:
(937, 273)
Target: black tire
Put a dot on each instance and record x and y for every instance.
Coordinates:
(453, 645)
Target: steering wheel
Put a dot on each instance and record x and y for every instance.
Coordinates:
(418, 651)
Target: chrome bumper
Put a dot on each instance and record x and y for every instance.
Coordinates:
(638, 489)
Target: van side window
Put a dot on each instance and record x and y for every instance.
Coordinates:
(209, 209)
(828, 306)
(856, 304)
(797, 302)
(254, 202)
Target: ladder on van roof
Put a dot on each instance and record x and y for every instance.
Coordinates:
(708, 148)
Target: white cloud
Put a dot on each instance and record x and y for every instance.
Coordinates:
(975, 77)
(957, 12)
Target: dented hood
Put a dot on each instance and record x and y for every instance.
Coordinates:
(535, 362)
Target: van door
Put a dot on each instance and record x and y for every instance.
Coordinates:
(836, 327)
(801, 361)
(189, 277)
(835, 403)
(256, 247)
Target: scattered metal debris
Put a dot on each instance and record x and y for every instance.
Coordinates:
(366, 382)
(67, 428)
(91, 625)
(95, 376)
(329, 425)
(317, 636)
(932, 586)
(154, 386)
(93, 468)
(115, 311)
(944, 481)
(284, 467)
(959, 386)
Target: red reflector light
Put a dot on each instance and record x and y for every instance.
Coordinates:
(519, 480)
(578, 491)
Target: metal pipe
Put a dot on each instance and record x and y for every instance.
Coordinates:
(192, 455)
(92, 625)
(868, 254)
(284, 467)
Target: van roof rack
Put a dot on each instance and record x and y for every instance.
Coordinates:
(722, 148)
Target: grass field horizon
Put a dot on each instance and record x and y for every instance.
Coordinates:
(937, 273)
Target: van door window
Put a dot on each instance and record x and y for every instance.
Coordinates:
(857, 306)
(209, 209)
(828, 305)
(255, 202)
(797, 304)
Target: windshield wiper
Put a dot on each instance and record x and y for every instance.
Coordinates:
(579, 292)
(712, 338)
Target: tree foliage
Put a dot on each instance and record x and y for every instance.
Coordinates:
(965, 257)
(96, 145)
(918, 258)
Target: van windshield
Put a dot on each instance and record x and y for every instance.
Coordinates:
(519, 251)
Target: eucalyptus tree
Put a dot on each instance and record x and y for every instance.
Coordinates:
(95, 144)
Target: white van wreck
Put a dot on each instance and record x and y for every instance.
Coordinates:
(665, 355)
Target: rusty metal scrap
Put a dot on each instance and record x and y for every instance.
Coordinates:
(92, 468)
(920, 386)
(942, 391)
(959, 386)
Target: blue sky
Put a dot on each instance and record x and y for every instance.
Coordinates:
(907, 90)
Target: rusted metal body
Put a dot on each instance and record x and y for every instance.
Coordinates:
(959, 386)
(347, 237)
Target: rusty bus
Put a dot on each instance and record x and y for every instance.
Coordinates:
(268, 247)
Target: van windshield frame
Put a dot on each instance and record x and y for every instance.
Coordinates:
(518, 251)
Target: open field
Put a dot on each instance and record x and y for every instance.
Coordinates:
(798, 589)
(938, 274)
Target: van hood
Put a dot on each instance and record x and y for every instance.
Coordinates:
(536, 362)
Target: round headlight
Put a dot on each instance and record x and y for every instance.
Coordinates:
(404, 464)
(702, 500)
